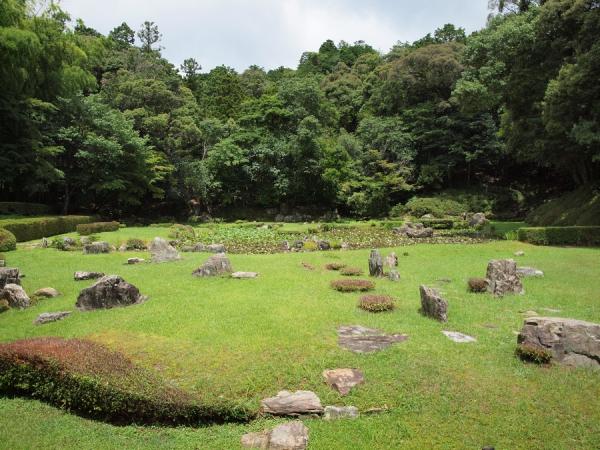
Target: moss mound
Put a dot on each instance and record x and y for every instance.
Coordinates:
(8, 241)
(580, 207)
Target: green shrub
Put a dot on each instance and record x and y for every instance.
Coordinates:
(335, 266)
(438, 207)
(88, 378)
(376, 303)
(533, 354)
(352, 285)
(477, 285)
(8, 241)
(310, 246)
(184, 232)
(351, 271)
(438, 224)
(39, 227)
(390, 224)
(23, 209)
(581, 236)
(135, 244)
(96, 227)
(336, 244)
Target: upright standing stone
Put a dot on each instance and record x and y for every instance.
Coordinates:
(9, 275)
(375, 264)
(432, 304)
(391, 260)
(503, 277)
(162, 251)
(217, 264)
(15, 296)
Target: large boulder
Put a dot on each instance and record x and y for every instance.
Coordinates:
(218, 264)
(375, 264)
(9, 275)
(96, 248)
(503, 278)
(109, 292)
(15, 296)
(162, 251)
(571, 342)
(82, 276)
(287, 436)
(414, 230)
(432, 304)
(477, 220)
(297, 403)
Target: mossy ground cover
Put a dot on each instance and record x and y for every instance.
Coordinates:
(243, 340)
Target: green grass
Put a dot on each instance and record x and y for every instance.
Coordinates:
(243, 340)
(580, 207)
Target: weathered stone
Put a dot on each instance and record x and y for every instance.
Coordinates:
(359, 339)
(340, 412)
(459, 337)
(47, 292)
(375, 264)
(285, 246)
(44, 243)
(9, 275)
(343, 380)
(287, 436)
(80, 276)
(15, 296)
(323, 245)
(218, 264)
(244, 275)
(391, 260)
(477, 220)
(209, 248)
(123, 247)
(51, 317)
(503, 278)
(427, 216)
(414, 230)
(298, 245)
(520, 253)
(393, 275)
(432, 304)
(529, 272)
(96, 248)
(135, 260)
(571, 342)
(85, 240)
(162, 251)
(286, 403)
(109, 292)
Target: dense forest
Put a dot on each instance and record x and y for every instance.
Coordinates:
(105, 124)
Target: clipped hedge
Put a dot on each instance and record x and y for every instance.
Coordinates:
(93, 381)
(581, 236)
(39, 227)
(24, 209)
(8, 241)
(438, 224)
(85, 229)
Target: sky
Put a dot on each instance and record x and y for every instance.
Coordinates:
(273, 33)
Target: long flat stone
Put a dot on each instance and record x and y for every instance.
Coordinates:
(51, 317)
(297, 403)
(359, 339)
(459, 337)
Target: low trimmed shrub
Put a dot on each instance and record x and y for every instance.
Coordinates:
(477, 285)
(376, 303)
(39, 227)
(352, 285)
(184, 232)
(85, 229)
(533, 354)
(93, 381)
(351, 271)
(310, 246)
(8, 241)
(582, 236)
(135, 244)
(335, 266)
(438, 224)
(24, 209)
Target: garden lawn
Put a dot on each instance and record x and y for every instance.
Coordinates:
(243, 340)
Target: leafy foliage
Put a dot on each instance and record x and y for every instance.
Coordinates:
(8, 241)
(376, 303)
(96, 227)
(352, 285)
(39, 227)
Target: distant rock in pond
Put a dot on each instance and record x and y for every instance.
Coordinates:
(529, 272)
(51, 317)
(9, 275)
(359, 339)
(81, 276)
(287, 436)
(15, 296)
(109, 292)
(47, 292)
(459, 337)
(297, 403)
(162, 251)
(503, 278)
(218, 264)
(343, 380)
(240, 275)
(432, 304)
(340, 412)
(96, 248)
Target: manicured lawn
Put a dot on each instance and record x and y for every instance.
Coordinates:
(243, 340)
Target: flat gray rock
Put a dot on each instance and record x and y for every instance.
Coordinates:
(459, 337)
(287, 436)
(529, 272)
(340, 412)
(51, 317)
(343, 380)
(244, 275)
(359, 339)
(81, 276)
(297, 403)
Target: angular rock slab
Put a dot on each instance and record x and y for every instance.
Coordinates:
(96, 248)
(297, 403)
(109, 292)
(343, 380)
(432, 304)
(288, 436)
(46, 292)
(340, 412)
(9, 275)
(15, 296)
(571, 342)
(162, 251)
(218, 264)
(503, 278)
(241, 275)
(459, 337)
(51, 317)
(359, 339)
(529, 272)
(81, 276)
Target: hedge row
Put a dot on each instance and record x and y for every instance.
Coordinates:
(583, 236)
(97, 227)
(39, 227)
(438, 224)
(89, 379)
(24, 209)
(8, 241)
